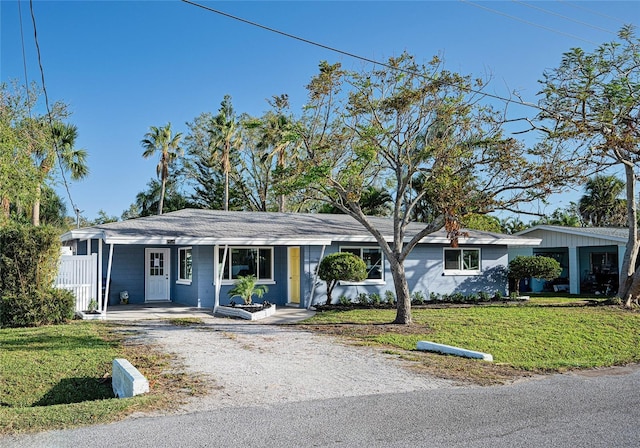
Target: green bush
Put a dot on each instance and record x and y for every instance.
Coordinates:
(544, 268)
(36, 308)
(339, 266)
(29, 258)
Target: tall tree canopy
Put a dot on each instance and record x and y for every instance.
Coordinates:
(591, 105)
(162, 140)
(407, 123)
(602, 205)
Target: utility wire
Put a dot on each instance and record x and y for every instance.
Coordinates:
(597, 13)
(546, 11)
(526, 21)
(46, 100)
(352, 55)
(24, 60)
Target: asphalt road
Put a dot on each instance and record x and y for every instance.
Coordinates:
(588, 409)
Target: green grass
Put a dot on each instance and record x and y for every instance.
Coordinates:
(59, 376)
(534, 337)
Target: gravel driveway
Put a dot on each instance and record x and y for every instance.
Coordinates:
(258, 365)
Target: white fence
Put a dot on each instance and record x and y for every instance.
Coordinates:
(79, 274)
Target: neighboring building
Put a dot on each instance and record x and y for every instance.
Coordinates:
(178, 257)
(590, 257)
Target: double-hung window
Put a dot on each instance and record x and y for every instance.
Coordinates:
(372, 257)
(244, 261)
(462, 261)
(185, 265)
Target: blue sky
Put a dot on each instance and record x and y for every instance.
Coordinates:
(123, 66)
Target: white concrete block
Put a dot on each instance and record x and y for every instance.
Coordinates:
(450, 350)
(126, 380)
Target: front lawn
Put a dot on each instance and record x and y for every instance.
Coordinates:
(539, 336)
(59, 376)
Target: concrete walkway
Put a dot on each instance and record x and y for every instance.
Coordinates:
(168, 310)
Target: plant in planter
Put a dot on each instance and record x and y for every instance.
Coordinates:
(246, 287)
(93, 306)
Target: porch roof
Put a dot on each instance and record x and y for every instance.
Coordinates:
(215, 227)
(614, 234)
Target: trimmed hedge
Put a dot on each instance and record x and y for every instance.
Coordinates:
(29, 259)
(51, 307)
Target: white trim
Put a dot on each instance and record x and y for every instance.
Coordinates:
(446, 271)
(263, 281)
(106, 291)
(166, 273)
(184, 281)
(368, 281)
(315, 277)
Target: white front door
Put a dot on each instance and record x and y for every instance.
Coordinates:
(156, 281)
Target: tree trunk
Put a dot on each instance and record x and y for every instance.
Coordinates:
(5, 206)
(403, 310)
(161, 203)
(226, 191)
(35, 215)
(626, 288)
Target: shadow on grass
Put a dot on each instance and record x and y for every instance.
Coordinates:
(49, 342)
(77, 390)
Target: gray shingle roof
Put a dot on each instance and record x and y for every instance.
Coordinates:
(613, 233)
(193, 226)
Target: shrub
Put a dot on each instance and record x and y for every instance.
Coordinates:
(484, 296)
(389, 297)
(544, 268)
(434, 296)
(246, 287)
(344, 300)
(29, 257)
(417, 298)
(375, 299)
(35, 308)
(339, 266)
(362, 298)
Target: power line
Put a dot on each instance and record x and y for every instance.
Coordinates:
(352, 55)
(546, 11)
(24, 60)
(526, 21)
(597, 13)
(49, 117)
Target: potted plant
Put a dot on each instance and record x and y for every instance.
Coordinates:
(246, 287)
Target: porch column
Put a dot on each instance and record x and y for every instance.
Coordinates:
(106, 291)
(315, 278)
(219, 273)
(574, 271)
(99, 294)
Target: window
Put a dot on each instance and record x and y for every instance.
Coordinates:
(243, 261)
(372, 257)
(465, 261)
(185, 265)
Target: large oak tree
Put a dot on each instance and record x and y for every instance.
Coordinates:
(591, 103)
(405, 123)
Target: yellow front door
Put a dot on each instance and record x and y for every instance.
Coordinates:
(294, 275)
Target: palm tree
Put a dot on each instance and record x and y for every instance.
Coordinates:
(224, 139)
(70, 159)
(160, 139)
(276, 137)
(602, 206)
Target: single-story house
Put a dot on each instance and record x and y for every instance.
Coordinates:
(590, 257)
(193, 256)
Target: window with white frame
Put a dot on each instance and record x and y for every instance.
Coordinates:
(244, 261)
(464, 261)
(185, 265)
(372, 257)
